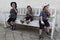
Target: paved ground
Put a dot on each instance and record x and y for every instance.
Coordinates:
(23, 34)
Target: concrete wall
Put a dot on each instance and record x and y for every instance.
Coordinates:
(5, 5)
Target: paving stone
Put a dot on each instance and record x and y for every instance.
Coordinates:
(17, 36)
(2, 35)
(9, 36)
(2, 29)
(57, 39)
(26, 38)
(17, 32)
(34, 36)
(2, 38)
(8, 29)
(35, 39)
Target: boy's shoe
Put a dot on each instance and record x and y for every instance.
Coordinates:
(21, 21)
(13, 28)
(40, 37)
(49, 34)
(27, 22)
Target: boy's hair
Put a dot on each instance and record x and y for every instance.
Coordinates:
(28, 6)
(45, 6)
(14, 3)
(44, 9)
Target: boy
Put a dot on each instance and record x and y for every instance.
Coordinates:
(43, 21)
(13, 15)
(29, 15)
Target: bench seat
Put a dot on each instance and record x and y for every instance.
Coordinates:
(34, 23)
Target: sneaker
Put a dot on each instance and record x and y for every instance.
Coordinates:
(49, 34)
(40, 37)
(27, 22)
(13, 28)
(21, 21)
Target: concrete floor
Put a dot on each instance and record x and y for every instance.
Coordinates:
(23, 34)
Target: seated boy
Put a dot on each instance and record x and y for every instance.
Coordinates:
(29, 15)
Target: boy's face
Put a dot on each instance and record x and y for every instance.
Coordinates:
(46, 8)
(29, 8)
(13, 5)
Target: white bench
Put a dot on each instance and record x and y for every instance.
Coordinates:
(35, 22)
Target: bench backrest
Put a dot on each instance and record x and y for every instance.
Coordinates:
(36, 11)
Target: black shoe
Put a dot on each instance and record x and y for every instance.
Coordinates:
(21, 21)
(13, 28)
(28, 22)
(40, 37)
(49, 34)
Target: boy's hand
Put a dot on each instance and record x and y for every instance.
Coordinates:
(15, 10)
(48, 18)
(9, 15)
(42, 22)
